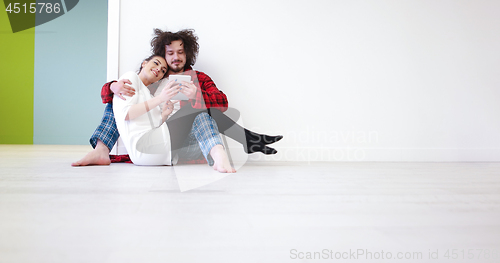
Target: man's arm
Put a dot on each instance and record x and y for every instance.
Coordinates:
(106, 93)
(119, 88)
(212, 96)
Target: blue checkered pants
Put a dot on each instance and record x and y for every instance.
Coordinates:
(107, 131)
(203, 136)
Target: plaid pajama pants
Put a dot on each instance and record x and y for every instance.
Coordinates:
(203, 136)
(107, 131)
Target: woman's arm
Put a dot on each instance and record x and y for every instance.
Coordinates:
(166, 94)
(168, 107)
(139, 109)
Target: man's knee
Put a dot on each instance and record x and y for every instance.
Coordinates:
(206, 121)
(203, 116)
(232, 113)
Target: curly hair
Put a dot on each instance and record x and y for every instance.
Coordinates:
(189, 39)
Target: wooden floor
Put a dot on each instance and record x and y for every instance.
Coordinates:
(266, 212)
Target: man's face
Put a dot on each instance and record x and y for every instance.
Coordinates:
(175, 56)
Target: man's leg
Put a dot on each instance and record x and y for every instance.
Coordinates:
(190, 150)
(251, 141)
(205, 133)
(98, 156)
(180, 125)
(103, 140)
(106, 132)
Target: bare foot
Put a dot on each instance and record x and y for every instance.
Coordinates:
(221, 161)
(98, 156)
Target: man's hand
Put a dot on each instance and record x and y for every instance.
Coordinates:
(119, 88)
(189, 89)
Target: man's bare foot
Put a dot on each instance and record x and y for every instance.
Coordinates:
(221, 161)
(98, 156)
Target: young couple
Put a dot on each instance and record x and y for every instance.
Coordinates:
(157, 130)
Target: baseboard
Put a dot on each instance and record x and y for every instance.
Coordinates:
(379, 155)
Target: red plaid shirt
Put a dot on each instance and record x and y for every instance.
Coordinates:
(212, 96)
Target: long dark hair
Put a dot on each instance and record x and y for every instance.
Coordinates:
(189, 39)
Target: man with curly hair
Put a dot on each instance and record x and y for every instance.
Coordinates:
(179, 50)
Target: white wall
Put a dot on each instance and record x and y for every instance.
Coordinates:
(360, 80)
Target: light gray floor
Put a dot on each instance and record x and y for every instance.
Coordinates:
(267, 212)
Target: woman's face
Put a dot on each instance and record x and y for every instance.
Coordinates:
(154, 69)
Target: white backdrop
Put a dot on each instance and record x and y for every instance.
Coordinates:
(346, 80)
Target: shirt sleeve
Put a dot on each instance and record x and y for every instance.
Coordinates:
(210, 96)
(106, 93)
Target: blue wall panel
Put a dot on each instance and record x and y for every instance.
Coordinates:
(70, 69)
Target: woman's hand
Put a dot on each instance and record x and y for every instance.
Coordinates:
(170, 90)
(167, 109)
(189, 89)
(119, 88)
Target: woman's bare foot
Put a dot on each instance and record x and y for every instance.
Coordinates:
(221, 161)
(98, 156)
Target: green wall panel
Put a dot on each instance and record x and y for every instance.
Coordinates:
(17, 82)
(51, 76)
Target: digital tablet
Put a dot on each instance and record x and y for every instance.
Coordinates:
(178, 78)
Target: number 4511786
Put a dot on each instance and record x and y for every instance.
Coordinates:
(18, 8)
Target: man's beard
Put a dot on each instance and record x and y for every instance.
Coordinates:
(176, 70)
